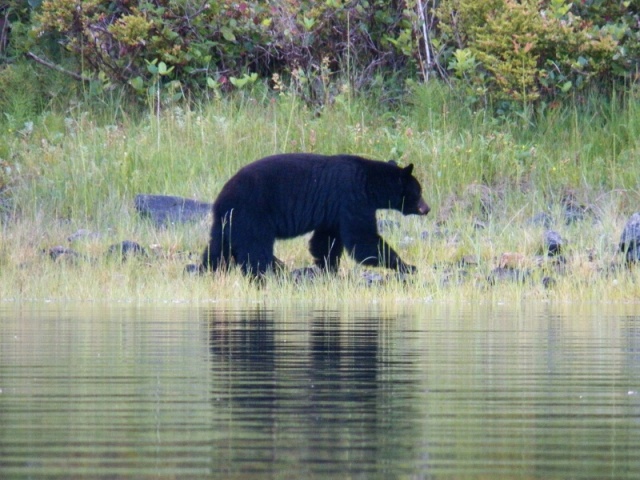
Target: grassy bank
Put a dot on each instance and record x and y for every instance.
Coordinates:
(486, 179)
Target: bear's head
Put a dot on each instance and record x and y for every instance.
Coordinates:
(409, 199)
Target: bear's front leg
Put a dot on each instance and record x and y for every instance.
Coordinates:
(389, 258)
(372, 250)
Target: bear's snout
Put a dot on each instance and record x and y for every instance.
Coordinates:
(423, 208)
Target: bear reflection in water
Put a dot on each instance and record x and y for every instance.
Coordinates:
(326, 391)
(258, 364)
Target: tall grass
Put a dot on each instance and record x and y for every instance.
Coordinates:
(81, 168)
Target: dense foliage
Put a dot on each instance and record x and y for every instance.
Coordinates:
(497, 52)
(529, 49)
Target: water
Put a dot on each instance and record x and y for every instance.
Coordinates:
(434, 392)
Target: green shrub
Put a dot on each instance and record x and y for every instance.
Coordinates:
(213, 45)
(498, 52)
(528, 50)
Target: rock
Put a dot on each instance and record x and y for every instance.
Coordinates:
(303, 274)
(453, 275)
(504, 274)
(630, 239)
(192, 269)
(63, 254)
(573, 210)
(510, 268)
(372, 278)
(574, 213)
(435, 234)
(548, 282)
(553, 243)
(164, 209)
(127, 249)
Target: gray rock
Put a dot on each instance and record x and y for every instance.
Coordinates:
(507, 274)
(127, 249)
(549, 282)
(553, 243)
(303, 274)
(192, 269)
(434, 234)
(574, 213)
(372, 278)
(166, 209)
(630, 239)
(572, 210)
(63, 254)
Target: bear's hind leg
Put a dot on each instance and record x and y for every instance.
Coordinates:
(326, 248)
(216, 254)
(255, 257)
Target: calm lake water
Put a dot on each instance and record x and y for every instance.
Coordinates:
(430, 391)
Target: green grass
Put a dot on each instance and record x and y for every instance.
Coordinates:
(81, 168)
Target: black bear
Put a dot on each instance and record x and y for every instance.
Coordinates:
(287, 195)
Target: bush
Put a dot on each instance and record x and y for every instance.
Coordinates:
(189, 45)
(528, 50)
(497, 51)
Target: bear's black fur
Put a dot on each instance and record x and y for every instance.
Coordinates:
(287, 195)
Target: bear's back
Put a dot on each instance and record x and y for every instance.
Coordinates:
(296, 192)
(293, 176)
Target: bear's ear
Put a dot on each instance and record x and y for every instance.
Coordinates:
(408, 170)
(393, 162)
